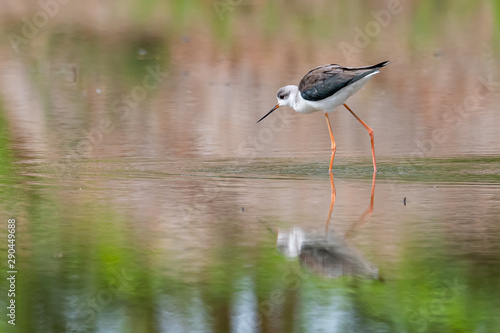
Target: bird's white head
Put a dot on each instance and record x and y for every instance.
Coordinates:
(286, 97)
(286, 94)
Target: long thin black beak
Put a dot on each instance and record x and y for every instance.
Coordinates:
(267, 114)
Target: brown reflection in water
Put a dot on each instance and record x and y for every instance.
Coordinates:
(437, 99)
(367, 213)
(329, 254)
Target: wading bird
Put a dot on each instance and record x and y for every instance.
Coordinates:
(324, 88)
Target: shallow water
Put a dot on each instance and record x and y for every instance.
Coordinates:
(147, 199)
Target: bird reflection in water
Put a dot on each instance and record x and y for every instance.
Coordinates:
(328, 254)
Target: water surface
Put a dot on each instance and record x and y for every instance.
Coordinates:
(147, 199)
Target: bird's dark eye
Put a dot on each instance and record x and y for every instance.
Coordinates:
(282, 96)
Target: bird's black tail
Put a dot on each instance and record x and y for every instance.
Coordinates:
(377, 66)
(382, 64)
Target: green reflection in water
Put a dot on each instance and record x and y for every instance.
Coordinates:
(6, 155)
(81, 262)
(84, 263)
(432, 294)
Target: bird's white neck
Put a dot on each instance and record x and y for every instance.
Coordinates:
(298, 103)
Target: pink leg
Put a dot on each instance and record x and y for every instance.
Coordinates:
(370, 131)
(334, 145)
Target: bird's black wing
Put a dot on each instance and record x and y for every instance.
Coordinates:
(324, 81)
